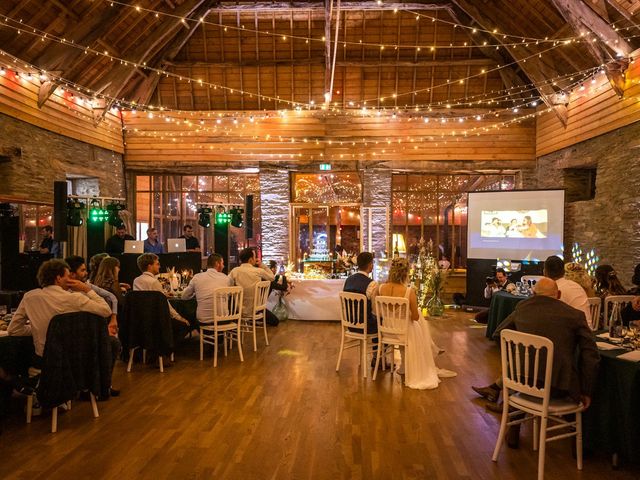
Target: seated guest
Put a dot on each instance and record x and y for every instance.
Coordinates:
(495, 284)
(152, 244)
(39, 306)
(577, 273)
(361, 282)
(570, 292)
(607, 282)
(203, 284)
(149, 265)
(115, 244)
(575, 356)
(192, 243)
(94, 265)
(48, 244)
(250, 272)
(78, 271)
(574, 294)
(636, 281)
(418, 362)
(280, 281)
(631, 312)
(107, 278)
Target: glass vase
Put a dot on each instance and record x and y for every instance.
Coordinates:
(435, 307)
(280, 311)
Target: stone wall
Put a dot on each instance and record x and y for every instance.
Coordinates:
(38, 157)
(610, 223)
(274, 209)
(376, 187)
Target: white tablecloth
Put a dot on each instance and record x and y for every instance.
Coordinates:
(312, 300)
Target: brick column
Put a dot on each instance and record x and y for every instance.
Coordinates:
(376, 187)
(274, 208)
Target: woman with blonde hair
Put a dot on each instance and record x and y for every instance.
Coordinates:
(577, 273)
(418, 361)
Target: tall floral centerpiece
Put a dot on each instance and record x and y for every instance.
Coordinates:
(435, 306)
(421, 272)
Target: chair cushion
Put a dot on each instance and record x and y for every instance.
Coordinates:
(557, 406)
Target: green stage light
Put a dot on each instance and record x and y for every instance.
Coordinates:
(96, 213)
(223, 218)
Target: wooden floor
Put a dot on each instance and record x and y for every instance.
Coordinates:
(286, 414)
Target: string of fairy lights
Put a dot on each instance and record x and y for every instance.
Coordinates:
(298, 105)
(460, 133)
(237, 120)
(518, 39)
(199, 81)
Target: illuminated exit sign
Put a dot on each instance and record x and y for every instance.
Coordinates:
(325, 166)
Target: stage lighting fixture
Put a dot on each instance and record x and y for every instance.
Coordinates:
(236, 216)
(96, 213)
(204, 217)
(74, 212)
(113, 211)
(222, 216)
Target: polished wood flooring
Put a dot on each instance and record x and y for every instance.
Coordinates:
(286, 414)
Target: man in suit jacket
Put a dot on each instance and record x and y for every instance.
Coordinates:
(546, 316)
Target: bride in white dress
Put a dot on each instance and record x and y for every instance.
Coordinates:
(418, 362)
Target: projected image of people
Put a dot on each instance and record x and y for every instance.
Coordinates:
(514, 224)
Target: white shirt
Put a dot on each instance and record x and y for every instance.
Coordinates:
(202, 286)
(148, 282)
(574, 295)
(246, 276)
(41, 305)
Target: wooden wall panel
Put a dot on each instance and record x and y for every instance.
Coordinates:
(334, 138)
(61, 113)
(592, 111)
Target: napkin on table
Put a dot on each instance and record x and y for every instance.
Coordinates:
(607, 346)
(633, 356)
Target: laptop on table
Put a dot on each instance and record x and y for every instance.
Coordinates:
(134, 246)
(176, 245)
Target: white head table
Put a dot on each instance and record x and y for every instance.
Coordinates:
(312, 300)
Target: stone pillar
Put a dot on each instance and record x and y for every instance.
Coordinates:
(274, 207)
(376, 187)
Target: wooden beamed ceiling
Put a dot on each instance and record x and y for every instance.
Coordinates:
(256, 70)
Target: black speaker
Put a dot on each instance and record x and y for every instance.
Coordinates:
(9, 235)
(248, 215)
(221, 242)
(60, 211)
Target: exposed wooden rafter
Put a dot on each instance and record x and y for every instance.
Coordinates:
(60, 57)
(117, 78)
(581, 17)
(535, 69)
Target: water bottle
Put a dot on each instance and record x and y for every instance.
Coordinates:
(615, 322)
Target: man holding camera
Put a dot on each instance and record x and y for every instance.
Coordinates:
(494, 284)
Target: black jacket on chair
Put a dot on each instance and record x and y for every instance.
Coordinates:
(147, 322)
(77, 357)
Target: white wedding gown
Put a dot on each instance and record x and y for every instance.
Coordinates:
(418, 360)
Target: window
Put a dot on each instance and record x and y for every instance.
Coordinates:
(168, 202)
(435, 207)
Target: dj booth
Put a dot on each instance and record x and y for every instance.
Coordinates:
(180, 261)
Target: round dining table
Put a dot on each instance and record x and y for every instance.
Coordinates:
(502, 304)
